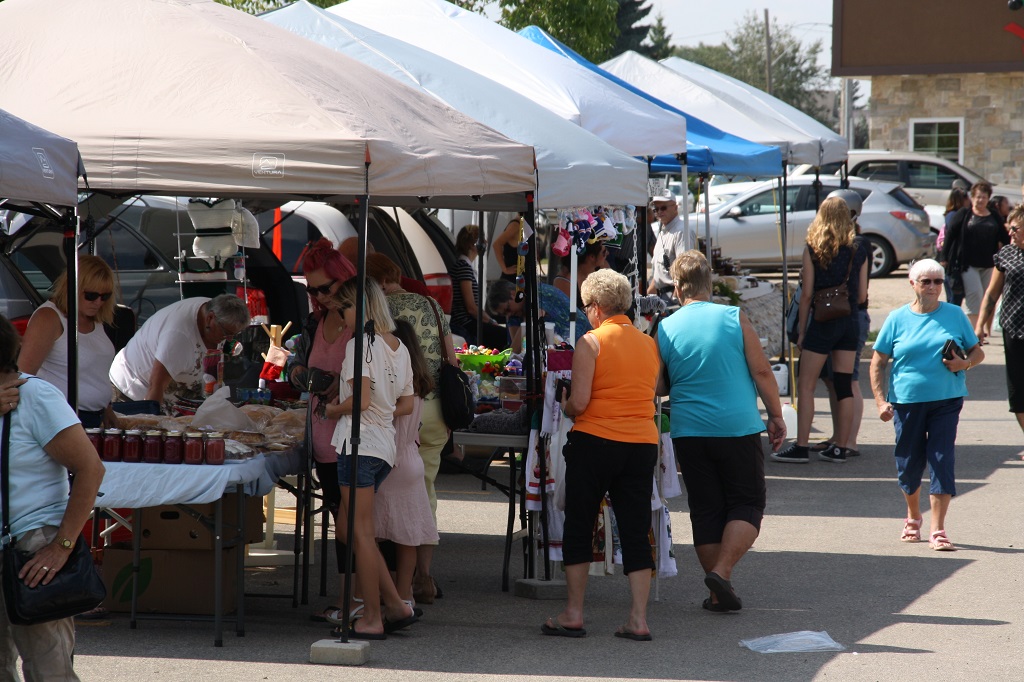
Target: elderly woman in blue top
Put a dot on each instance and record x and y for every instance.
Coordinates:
(46, 442)
(924, 394)
(715, 369)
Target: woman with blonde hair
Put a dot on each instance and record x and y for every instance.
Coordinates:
(386, 387)
(830, 260)
(45, 346)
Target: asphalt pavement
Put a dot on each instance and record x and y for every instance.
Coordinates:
(828, 559)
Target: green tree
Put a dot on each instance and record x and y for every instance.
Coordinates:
(660, 46)
(631, 32)
(587, 26)
(797, 78)
(260, 6)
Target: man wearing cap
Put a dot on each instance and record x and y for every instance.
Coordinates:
(671, 241)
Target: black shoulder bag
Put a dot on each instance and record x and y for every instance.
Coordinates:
(457, 404)
(75, 589)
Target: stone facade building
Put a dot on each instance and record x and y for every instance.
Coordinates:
(951, 87)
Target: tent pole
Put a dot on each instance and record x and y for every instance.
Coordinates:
(686, 203)
(532, 366)
(642, 225)
(70, 221)
(574, 276)
(357, 390)
(783, 227)
(705, 184)
(480, 249)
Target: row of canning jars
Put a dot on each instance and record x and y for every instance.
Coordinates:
(157, 447)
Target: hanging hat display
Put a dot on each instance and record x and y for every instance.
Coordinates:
(212, 220)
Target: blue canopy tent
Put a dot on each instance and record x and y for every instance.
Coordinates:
(708, 149)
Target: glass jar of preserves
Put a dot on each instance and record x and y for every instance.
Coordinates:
(96, 438)
(173, 448)
(131, 446)
(111, 445)
(214, 451)
(193, 448)
(153, 447)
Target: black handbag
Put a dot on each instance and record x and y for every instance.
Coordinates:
(75, 589)
(457, 404)
(833, 303)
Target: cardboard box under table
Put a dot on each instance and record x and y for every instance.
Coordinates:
(138, 486)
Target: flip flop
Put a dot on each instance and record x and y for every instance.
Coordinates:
(723, 590)
(334, 616)
(553, 628)
(321, 617)
(635, 636)
(355, 634)
(709, 605)
(396, 625)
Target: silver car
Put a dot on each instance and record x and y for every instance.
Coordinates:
(747, 226)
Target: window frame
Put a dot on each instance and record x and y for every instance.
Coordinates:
(959, 120)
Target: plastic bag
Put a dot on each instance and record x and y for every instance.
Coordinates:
(793, 642)
(218, 413)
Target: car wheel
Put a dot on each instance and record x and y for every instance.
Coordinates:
(883, 261)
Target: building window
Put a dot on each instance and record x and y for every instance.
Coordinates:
(940, 136)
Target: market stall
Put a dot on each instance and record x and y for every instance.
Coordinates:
(256, 123)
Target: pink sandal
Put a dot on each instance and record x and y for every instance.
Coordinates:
(940, 543)
(911, 531)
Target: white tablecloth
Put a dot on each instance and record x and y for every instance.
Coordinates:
(151, 485)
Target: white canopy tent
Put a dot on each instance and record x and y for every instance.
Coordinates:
(833, 147)
(620, 118)
(700, 101)
(574, 167)
(192, 97)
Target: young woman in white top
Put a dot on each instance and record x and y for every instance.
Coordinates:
(44, 350)
(386, 392)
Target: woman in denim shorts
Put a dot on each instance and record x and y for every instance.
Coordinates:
(829, 260)
(386, 392)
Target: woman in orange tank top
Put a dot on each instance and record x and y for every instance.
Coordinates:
(612, 448)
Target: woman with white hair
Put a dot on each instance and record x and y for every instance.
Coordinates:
(924, 394)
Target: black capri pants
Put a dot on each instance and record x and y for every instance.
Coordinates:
(327, 472)
(724, 479)
(1014, 349)
(595, 466)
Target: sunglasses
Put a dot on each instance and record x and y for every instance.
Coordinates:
(93, 295)
(1013, 228)
(929, 282)
(660, 209)
(321, 290)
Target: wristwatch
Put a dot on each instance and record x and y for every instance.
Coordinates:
(63, 542)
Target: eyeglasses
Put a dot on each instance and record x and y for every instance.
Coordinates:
(225, 333)
(660, 209)
(929, 282)
(321, 290)
(1013, 228)
(93, 295)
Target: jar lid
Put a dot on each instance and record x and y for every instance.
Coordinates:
(94, 430)
(193, 434)
(174, 434)
(154, 433)
(112, 432)
(215, 434)
(133, 432)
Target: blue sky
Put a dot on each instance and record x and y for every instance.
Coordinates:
(694, 21)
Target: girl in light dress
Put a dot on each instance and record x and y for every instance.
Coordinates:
(402, 509)
(386, 392)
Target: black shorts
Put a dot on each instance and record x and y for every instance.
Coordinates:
(825, 337)
(1014, 349)
(724, 480)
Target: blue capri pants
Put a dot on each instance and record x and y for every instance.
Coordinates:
(926, 434)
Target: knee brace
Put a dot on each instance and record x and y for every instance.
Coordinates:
(843, 383)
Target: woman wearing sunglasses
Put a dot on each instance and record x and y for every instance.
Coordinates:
(322, 347)
(924, 393)
(44, 351)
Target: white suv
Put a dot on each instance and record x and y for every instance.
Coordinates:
(925, 177)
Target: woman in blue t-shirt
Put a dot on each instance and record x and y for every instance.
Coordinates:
(924, 394)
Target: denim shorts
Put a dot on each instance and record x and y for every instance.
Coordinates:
(371, 471)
